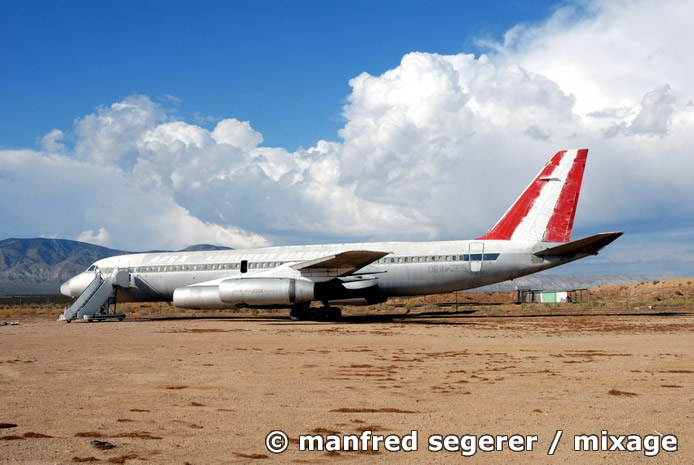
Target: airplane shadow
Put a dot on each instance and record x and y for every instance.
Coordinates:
(428, 318)
(444, 317)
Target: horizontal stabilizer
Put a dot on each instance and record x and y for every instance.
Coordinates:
(588, 245)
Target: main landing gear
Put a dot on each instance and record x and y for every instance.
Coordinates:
(308, 313)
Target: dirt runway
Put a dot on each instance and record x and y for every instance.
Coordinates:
(209, 390)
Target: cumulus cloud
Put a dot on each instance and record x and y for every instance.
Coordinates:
(50, 143)
(236, 133)
(110, 135)
(656, 113)
(100, 237)
(435, 148)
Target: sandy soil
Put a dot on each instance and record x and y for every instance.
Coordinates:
(208, 390)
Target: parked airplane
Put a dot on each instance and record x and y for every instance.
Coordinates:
(533, 235)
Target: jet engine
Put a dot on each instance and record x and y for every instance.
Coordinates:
(198, 297)
(266, 291)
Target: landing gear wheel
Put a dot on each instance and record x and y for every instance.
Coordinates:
(333, 313)
(299, 313)
(314, 314)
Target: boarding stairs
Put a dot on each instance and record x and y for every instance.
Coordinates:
(94, 303)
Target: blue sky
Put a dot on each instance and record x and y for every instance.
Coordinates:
(151, 125)
(283, 65)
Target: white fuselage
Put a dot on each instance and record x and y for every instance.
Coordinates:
(410, 268)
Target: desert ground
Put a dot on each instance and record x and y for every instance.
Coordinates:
(207, 388)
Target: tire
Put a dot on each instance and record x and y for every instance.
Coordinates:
(313, 314)
(334, 313)
(299, 313)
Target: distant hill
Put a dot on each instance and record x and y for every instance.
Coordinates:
(554, 282)
(201, 247)
(40, 266)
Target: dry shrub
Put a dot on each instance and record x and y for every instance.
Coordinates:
(123, 458)
(371, 410)
(615, 392)
(137, 434)
(324, 431)
(31, 434)
(250, 456)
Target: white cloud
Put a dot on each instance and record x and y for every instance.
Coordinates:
(237, 133)
(656, 113)
(437, 147)
(50, 143)
(101, 237)
(110, 135)
(60, 196)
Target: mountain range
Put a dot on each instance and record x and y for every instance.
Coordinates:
(39, 266)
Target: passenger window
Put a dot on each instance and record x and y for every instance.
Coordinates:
(454, 257)
(244, 266)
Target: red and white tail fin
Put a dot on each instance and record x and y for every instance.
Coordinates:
(545, 210)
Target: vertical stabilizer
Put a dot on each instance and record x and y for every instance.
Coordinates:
(545, 210)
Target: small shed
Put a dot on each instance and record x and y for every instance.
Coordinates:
(525, 294)
(553, 297)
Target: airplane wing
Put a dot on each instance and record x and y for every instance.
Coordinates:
(340, 264)
(588, 245)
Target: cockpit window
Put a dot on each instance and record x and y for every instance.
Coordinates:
(91, 268)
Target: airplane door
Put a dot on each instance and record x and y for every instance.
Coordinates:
(476, 251)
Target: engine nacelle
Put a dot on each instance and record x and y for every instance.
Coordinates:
(198, 297)
(266, 291)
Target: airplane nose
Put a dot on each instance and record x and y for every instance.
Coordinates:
(65, 289)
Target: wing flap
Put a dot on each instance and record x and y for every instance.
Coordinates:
(588, 245)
